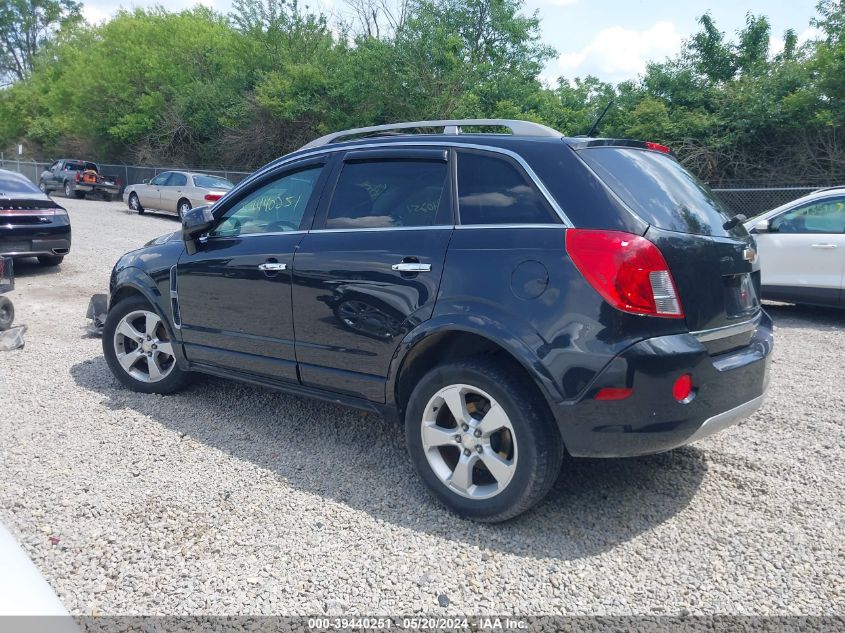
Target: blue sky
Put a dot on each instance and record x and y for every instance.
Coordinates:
(612, 39)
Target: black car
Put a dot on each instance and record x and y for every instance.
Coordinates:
(506, 297)
(31, 224)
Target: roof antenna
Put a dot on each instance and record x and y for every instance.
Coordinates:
(598, 120)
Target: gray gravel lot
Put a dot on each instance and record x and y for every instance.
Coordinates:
(229, 499)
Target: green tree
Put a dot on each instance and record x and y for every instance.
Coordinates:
(25, 26)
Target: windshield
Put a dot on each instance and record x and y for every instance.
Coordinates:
(16, 184)
(212, 182)
(661, 191)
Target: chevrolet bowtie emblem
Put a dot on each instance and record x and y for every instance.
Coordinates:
(749, 254)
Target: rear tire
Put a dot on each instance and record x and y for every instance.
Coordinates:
(7, 314)
(138, 348)
(183, 207)
(68, 189)
(43, 187)
(50, 260)
(520, 441)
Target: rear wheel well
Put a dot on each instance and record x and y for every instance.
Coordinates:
(445, 347)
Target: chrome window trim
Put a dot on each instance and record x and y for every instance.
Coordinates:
(511, 226)
(384, 228)
(451, 144)
(727, 330)
(232, 237)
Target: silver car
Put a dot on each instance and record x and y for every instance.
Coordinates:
(176, 191)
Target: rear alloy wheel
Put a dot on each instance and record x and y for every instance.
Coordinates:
(43, 187)
(139, 350)
(183, 208)
(135, 204)
(481, 439)
(68, 189)
(50, 260)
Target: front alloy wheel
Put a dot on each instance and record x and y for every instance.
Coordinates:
(139, 349)
(469, 441)
(142, 346)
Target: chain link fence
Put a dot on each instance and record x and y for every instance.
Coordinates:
(123, 175)
(746, 199)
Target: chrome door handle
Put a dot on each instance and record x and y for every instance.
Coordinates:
(272, 266)
(824, 246)
(412, 267)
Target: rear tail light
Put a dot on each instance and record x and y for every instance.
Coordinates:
(613, 393)
(627, 270)
(78, 176)
(213, 197)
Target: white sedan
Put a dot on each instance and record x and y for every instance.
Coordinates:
(176, 191)
(802, 249)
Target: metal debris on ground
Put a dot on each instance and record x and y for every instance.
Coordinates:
(12, 338)
(98, 308)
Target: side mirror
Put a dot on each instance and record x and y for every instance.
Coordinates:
(195, 222)
(761, 227)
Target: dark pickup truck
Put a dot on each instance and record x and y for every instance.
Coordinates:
(77, 178)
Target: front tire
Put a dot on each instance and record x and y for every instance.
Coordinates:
(482, 439)
(135, 204)
(50, 260)
(139, 349)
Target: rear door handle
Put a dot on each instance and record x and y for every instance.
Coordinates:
(272, 266)
(823, 246)
(412, 267)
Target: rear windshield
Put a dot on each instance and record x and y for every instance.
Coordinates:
(212, 182)
(11, 184)
(661, 191)
(75, 166)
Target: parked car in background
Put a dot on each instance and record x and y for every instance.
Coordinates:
(31, 224)
(176, 192)
(77, 178)
(505, 297)
(802, 249)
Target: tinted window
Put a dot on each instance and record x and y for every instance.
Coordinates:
(177, 180)
(824, 216)
(212, 182)
(660, 190)
(274, 207)
(13, 184)
(389, 193)
(492, 190)
(161, 179)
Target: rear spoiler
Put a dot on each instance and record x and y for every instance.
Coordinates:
(583, 142)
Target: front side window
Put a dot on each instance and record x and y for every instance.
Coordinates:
(389, 194)
(274, 207)
(177, 180)
(824, 216)
(161, 179)
(492, 190)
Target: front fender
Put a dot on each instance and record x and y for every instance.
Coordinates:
(137, 281)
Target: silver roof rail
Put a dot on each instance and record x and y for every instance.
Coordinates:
(450, 126)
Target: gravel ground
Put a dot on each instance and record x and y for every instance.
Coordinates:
(229, 499)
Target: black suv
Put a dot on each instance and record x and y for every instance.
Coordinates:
(505, 297)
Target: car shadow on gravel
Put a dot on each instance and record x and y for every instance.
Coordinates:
(29, 267)
(360, 460)
(805, 316)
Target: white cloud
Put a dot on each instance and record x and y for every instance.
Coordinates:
(559, 3)
(93, 15)
(618, 53)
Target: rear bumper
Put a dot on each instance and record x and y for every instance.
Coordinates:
(728, 387)
(92, 188)
(22, 244)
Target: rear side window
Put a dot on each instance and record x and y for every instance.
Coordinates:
(492, 190)
(389, 193)
(177, 180)
(660, 190)
(11, 184)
